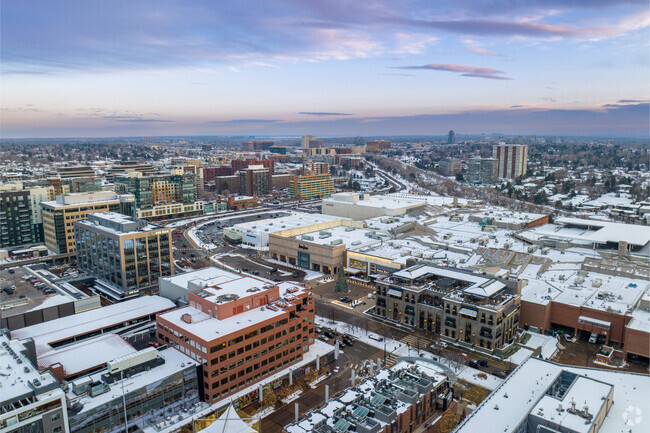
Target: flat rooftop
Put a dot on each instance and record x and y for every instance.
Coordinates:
(116, 223)
(508, 216)
(210, 328)
(239, 286)
(295, 220)
(351, 237)
(589, 231)
(476, 285)
(84, 323)
(203, 277)
(566, 283)
(17, 372)
(520, 393)
(87, 354)
(175, 362)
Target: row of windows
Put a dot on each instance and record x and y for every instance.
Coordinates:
(255, 378)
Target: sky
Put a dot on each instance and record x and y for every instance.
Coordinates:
(91, 68)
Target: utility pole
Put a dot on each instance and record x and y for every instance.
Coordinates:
(126, 423)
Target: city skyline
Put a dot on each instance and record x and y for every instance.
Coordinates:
(374, 68)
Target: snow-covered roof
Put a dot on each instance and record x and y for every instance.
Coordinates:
(295, 220)
(89, 321)
(229, 422)
(175, 362)
(17, 374)
(589, 231)
(567, 284)
(524, 392)
(87, 354)
(202, 277)
(209, 328)
(351, 237)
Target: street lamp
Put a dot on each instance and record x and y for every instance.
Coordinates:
(126, 422)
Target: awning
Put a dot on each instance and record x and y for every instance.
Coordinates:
(468, 312)
(594, 322)
(395, 292)
(353, 270)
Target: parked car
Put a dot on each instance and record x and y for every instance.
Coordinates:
(153, 344)
(329, 334)
(323, 337)
(348, 341)
(593, 337)
(8, 290)
(473, 364)
(568, 338)
(483, 363)
(499, 373)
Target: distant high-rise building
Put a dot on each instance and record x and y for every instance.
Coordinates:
(377, 145)
(59, 216)
(450, 167)
(452, 137)
(316, 168)
(254, 146)
(310, 142)
(281, 150)
(311, 186)
(512, 160)
(126, 253)
(164, 195)
(481, 170)
(254, 180)
(78, 171)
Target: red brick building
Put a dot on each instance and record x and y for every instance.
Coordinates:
(241, 330)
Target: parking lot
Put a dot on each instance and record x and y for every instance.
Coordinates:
(19, 295)
(248, 266)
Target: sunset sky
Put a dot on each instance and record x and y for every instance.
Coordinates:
(293, 67)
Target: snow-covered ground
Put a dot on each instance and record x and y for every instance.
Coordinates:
(398, 349)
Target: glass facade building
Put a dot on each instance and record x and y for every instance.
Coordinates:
(125, 252)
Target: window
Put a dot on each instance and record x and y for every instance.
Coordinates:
(57, 429)
(56, 417)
